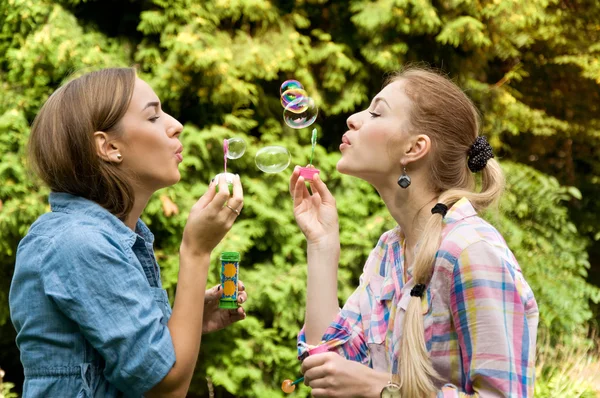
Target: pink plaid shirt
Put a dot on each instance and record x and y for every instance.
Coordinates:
(480, 315)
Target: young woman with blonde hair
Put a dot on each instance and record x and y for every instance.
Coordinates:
(442, 308)
(86, 299)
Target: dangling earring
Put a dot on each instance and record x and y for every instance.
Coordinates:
(404, 180)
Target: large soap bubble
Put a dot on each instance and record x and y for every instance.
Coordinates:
(292, 95)
(236, 147)
(300, 113)
(273, 159)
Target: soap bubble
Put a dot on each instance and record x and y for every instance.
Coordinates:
(236, 148)
(300, 113)
(273, 159)
(290, 84)
(292, 95)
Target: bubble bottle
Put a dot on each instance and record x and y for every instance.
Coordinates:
(229, 279)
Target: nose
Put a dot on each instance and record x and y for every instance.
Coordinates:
(353, 122)
(175, 128)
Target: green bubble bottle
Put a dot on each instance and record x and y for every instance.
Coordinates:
(230, 262)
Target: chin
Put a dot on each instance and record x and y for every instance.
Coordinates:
(171, 180)
(176, 179)
(343, 168)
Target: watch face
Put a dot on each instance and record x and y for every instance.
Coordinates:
(392, 390)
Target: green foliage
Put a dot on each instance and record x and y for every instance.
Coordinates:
(570, 371)
(6, 388)
(535, 223)
(531, 66)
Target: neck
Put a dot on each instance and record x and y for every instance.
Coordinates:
(410, 207)
(139, 204)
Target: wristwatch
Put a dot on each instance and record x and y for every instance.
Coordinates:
(391, 390)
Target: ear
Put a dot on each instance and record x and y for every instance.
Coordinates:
(107, 150)
(417, 149)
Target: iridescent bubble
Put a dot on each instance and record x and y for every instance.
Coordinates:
(292, 95)
(300, 113)
(237, 147)
(273, 159)
(290, 84)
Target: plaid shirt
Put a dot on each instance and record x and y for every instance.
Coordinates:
(480, 315)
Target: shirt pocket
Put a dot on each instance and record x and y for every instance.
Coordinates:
(162, 299)
(375, 308)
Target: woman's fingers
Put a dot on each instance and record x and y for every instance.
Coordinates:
(208, 196)
(229, 206)
(319, 186)
(242, 297)
(294, 179)
(300, 191)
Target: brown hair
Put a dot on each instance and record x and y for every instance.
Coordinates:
(442, 111)
(62, 149)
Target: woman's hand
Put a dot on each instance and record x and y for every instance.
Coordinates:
(216, 318)
(330, 375)
(315, 214)
(212, 216)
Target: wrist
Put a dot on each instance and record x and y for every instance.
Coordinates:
(328, 243)
(193, 254)
(374, 383)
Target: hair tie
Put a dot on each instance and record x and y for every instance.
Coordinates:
(440, 208)
(479, 154)
(418, 290)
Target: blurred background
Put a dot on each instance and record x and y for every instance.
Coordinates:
(531, 66)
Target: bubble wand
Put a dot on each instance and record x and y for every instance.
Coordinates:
(309, 171)
(289, 386)
(225, 153)
(228, 176)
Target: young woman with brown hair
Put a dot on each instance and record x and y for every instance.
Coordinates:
(442, 308)
(86, 300)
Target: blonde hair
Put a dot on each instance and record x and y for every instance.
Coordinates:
(442, 111)
(62, 150)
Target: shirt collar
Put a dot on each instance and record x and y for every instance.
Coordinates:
(461, 210)
(66, 203)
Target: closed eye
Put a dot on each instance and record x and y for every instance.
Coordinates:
(374, 115)
(153, 118)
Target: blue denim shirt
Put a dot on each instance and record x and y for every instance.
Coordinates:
(88, 306)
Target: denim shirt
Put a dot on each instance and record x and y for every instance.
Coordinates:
(87, 304)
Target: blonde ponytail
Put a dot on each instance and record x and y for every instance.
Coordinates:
(442, 111)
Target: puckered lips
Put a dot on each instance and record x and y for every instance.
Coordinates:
(178, 154)
(345, 142)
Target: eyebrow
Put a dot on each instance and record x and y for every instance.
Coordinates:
(151, 104)
(380, 99)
